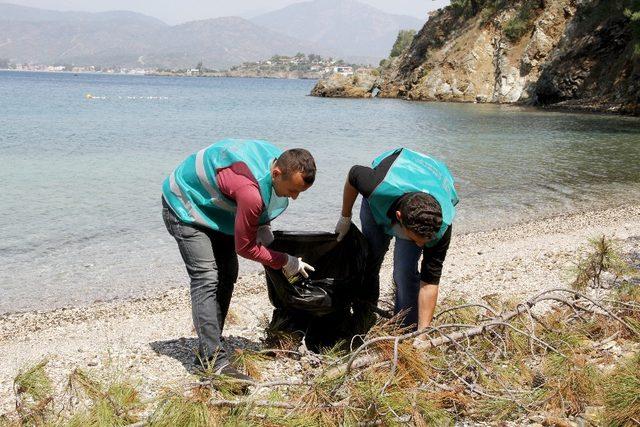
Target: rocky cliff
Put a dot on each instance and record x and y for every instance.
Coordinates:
(565, 53)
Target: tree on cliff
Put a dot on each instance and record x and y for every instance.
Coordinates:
(633, 13)
(469, 7)
(403, 41)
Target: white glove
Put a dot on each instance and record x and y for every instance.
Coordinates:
(264, 236)
(343, 226)
(296, 266)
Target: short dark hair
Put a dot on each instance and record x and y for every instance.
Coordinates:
(297, 160)
(421, 213)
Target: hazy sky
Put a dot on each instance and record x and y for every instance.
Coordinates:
(177, 11)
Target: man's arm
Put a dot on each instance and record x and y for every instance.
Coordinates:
(363, 180)
(349, 196)
(427, 299)
(237, 183)
(430, 272)
(248, 214)
(359, 180)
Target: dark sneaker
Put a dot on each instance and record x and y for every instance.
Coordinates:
(231, 372)
(231, 380)
(222, 375)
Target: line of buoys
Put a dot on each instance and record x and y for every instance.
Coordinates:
(90, 96)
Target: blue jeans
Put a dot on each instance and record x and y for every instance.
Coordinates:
(405, 266)
(212, 265)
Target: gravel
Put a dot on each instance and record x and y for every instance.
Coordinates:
(151, 339)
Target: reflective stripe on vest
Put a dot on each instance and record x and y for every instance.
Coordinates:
(214, 192)
(193, 194)
(413, 172)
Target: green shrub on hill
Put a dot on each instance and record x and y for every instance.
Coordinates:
(633, 13)
(468, 8)
(522, 22)
(402, 43)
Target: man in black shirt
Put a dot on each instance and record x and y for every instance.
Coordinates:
(410, 196)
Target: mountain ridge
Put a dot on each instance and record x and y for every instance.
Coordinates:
(14, 12)
(369, 31)
(121, 38)
(346, 29)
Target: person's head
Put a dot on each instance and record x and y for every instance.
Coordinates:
(420, 217)
(293, 172)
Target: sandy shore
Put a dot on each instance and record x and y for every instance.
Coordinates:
(151, 339)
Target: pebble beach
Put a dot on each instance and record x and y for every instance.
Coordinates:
(151, 339)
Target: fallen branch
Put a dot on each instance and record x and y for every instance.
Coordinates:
(356, 361)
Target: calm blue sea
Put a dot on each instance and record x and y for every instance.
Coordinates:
(80, 178)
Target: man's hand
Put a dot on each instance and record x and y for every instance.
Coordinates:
(343, 226)
(264, 236)
(295, 266)
(349, 196)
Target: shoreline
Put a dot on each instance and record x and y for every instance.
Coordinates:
(176, 291)
(567, 107)
(152, 337)
(158, 74)
(180, 287)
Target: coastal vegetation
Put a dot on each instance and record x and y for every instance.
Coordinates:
(632, 11)
(560, 53)
(402, 43)
(562, 357)
(523, 20)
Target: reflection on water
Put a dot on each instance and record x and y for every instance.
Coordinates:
(81, 176)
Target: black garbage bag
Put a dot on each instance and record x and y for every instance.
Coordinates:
(337, 279)
(320, 306)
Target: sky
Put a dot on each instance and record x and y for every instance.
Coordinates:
(178, 11)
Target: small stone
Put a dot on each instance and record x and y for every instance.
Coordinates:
(592, 414)
(538, 419)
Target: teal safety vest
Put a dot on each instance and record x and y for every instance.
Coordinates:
(193, 193)
(412, 172)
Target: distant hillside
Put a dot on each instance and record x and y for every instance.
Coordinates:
(131, 39)
(15, 13)
(339, 28)
(345, 27)
(48, 37)
(221, 41)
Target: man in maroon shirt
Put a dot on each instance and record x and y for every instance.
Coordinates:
(218, 204)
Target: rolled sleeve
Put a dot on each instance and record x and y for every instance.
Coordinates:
(248, 215)
(362, 179)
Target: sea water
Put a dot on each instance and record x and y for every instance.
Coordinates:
(83, 157)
